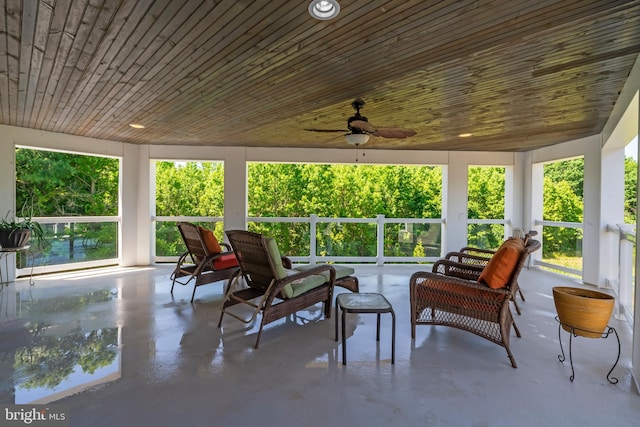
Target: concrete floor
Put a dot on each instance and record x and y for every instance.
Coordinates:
(114, 348)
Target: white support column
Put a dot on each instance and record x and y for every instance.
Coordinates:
(7, 196)
(235, 189)
(515, 193)
(611, 213)
(454, 203)
(592, 231)
(510, 209)
(635, 351)
(146, 207)
(526, 175)
(536, 198)
(134, 207)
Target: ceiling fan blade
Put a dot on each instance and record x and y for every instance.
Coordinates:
(327, 130)
(394, 132)
(362, 125)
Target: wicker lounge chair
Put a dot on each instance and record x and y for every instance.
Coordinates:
(453, 294)
(481, 257)
(272, 288)
(200, 263)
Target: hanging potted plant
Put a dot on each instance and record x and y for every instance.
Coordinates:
(17, 233)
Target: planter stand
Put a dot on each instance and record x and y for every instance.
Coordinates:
(5, 252)
(573, 333)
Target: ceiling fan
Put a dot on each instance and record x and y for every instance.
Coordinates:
(360, 129)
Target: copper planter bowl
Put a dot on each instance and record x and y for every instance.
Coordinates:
(586, 310)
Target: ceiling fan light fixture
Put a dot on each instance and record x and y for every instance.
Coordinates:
(136, 125)
(357, 138)
(324, 9)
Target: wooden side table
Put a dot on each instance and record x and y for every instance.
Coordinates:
(364, 303)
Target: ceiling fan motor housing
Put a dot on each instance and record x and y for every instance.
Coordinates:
(356, 117)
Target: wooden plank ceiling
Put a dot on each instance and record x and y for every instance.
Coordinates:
(517, 74)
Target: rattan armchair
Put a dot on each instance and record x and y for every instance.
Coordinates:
(480, 258)
(451, 295)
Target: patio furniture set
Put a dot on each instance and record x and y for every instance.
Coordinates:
(471, 289)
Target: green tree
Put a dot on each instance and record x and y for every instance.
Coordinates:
(62, 184)
(485, 200)
(360, 191)
(187, 189)
(563, 205)
(570, 171)
(630, 190)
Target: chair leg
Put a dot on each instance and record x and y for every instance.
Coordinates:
(515, 328)
(259, 333)
(412, 307)
(521, 294)
(504, 332)
(511, 358)
(194, 292)
(515, 304)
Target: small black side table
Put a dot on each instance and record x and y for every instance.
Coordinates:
(364, 303)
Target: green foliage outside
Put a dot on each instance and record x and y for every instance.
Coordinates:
(187, 189)
(300, 190)
(61, 184)
(563, 202)
(485, 200)
(346, 191)
(630, 189)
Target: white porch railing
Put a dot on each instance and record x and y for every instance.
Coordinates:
(69, 240)
(314, 222)
(380, 220)
(553, 265)
(624, 285)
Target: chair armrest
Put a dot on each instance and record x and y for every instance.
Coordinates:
(472, 250)
(466, 258)
(457, 269)
(226, 246)
(450, 288)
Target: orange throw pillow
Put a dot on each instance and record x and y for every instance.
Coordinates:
(210, 241)
(498, 271)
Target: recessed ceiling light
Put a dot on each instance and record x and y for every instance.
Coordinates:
(324, 9)
(136, 125)
(465, 135)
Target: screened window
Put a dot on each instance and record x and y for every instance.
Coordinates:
(75, 198)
